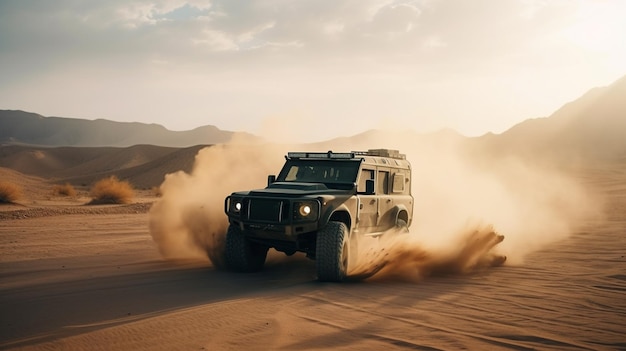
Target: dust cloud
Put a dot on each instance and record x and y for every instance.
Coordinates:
(397, 254)
(464, 205)
(474, 210)
(188, 221)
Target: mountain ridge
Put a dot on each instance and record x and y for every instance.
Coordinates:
(592, 126)
(19, 127)
(589, 129)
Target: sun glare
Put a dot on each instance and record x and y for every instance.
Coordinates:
(599, 26)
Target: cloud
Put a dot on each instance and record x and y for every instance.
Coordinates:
(434, 42)
(216, 40)
(328, 60)
(395, 19)
(258, 32)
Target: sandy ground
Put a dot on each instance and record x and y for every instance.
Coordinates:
(92, 279)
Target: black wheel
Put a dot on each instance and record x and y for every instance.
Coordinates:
(332, 252)
(241, 254)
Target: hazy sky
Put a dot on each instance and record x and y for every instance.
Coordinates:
(313, 68)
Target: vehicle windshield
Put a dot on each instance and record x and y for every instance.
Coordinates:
(314, 171)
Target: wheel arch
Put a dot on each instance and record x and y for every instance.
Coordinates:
(401, 212)
(341, 215)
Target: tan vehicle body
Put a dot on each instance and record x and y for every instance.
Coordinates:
(320, 204)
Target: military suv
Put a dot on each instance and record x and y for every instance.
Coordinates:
(321, 204)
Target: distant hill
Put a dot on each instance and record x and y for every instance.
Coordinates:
(25, 128)
(145, 175)
(590, 128)
(144, 166)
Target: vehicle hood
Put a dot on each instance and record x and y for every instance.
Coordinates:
(294, 189)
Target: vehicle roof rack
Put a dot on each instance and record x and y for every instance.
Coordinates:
(321, 155)
(382, 153)
(347, 155)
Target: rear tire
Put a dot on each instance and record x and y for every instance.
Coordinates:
(332, 252)
(241, 254)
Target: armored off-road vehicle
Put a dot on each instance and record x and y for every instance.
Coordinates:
(321, 203)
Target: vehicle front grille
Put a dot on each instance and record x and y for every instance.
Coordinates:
(267, 210)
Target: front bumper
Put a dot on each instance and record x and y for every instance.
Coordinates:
(272, 217)
(270, 231)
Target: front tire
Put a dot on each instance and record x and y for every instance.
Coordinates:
(332, 252)
(241, 254)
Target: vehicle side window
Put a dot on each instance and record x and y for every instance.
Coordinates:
(398, 183)
(366, 174)
(383, 182)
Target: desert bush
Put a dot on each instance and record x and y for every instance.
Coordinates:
(111, 191)
(9, 192)
(64, 190)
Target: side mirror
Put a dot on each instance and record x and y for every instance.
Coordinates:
(271, 179)
(369, 187)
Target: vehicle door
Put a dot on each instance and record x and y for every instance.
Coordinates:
(368, 201)
(400, 190)
(385, 200)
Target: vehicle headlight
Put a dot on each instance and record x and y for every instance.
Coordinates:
(235, 205)
(304, 210)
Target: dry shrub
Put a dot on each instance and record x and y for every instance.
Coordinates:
(111, 191)
(9, 192)
(64, 190)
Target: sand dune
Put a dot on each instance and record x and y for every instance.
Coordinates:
(143, 165)
(67, 161)
(76, 277)
(96, 281)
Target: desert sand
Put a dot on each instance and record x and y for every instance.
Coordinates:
(75, 277)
